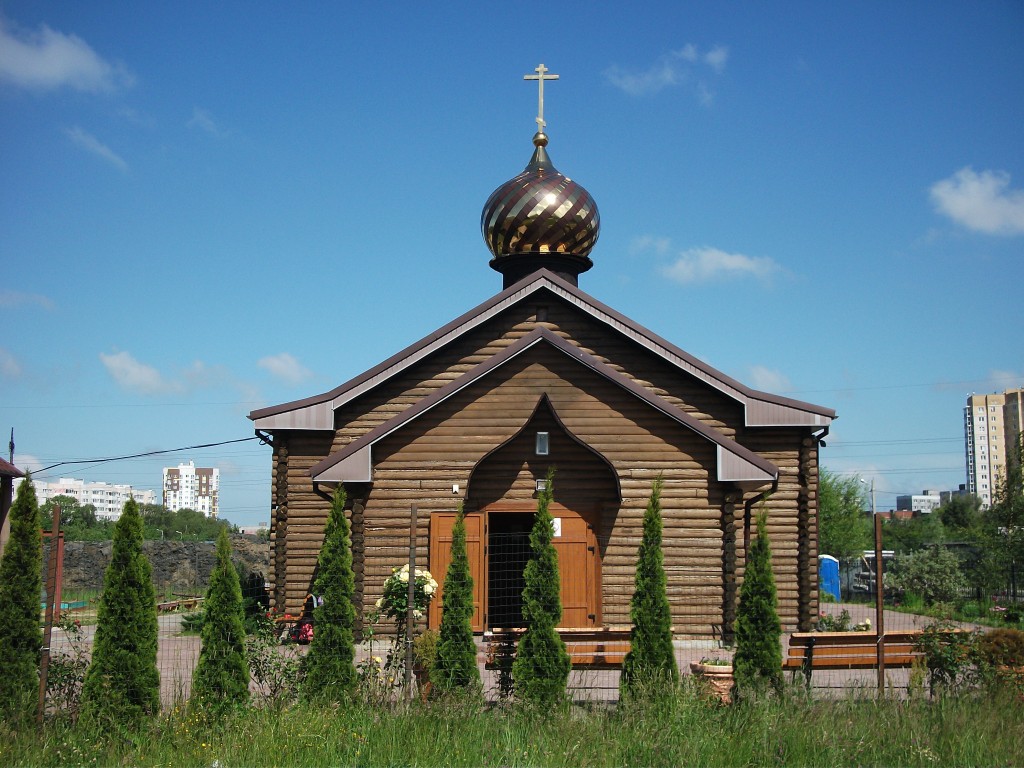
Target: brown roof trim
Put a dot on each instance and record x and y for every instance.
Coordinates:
(542, 279)
(536, 336)
(9, 470)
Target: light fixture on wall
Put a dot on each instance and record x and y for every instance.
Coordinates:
(542, 485)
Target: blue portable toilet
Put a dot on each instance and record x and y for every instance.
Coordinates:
(828, 575)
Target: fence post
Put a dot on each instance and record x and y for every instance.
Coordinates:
(879, 605)
(410, 604)
(51, 590)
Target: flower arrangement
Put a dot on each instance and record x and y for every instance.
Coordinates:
(395, 600)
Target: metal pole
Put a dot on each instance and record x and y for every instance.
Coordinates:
(879, 605)
(410, 604)
(51, 578)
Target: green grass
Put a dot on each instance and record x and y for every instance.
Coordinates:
(968, 730)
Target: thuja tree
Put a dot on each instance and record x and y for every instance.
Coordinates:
(122, 684)
(20, 586)
(329, 669)
(455, 665)
(650, 662)
(541, 668)
(221, 677)
(757, 663)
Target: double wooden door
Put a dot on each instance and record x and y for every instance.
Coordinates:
(496, 544)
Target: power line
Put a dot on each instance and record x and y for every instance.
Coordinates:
(147, 453)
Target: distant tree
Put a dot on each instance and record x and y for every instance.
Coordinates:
(917, 533)
(651, 658)
(541, 668)
(757, 662)
(221, 677)
(1002, 523)
(844, 531)
(21, 583)
(455, 665)
(329, 667)
(960, 516)
(122, 684)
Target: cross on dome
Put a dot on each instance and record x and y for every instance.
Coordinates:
(540, 77)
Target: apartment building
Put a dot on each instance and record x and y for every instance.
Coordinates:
(108, 498)
(190, 487)
(992, 424)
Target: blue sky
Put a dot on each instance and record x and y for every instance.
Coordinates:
(206, 210)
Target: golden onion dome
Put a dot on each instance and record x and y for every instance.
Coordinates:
(540, 219)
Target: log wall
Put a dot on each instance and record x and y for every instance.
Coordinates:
(703, 519)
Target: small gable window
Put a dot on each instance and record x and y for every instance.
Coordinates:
(542, 443)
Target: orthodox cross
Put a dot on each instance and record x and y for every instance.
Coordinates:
(540, 77)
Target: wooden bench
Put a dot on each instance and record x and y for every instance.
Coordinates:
(588, 648)
(850, 650)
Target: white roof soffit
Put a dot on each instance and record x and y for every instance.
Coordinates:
(354, 462)
(761, 409)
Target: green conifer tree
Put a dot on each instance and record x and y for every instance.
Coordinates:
(329, 668)
(757, 662)
(122, 684)
(21, 584)
(221, 677)
(651, 660)
(542, 665)
(455, 665)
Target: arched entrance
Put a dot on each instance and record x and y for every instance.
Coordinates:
(500, 508)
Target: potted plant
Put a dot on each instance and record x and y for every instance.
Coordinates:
(424, 653)
(715, 676)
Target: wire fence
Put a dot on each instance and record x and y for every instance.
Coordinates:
(597, 648)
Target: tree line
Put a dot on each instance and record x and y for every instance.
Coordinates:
(81, 523)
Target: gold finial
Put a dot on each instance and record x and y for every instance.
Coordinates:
(540, 77)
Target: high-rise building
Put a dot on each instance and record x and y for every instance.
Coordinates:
(108, 499)
(992, 425)
(190, 487)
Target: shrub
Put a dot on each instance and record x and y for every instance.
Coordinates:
(933, 573)
(122, 684)
(758, 658)
(20, 586)
(1002, 647)
(456, 651)
(274, 668)
(329, 667)
(651, 659)
(541, 668)
(66, 670)
(221, 677)
(951, 656)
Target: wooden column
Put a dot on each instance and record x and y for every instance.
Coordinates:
(730, 586)
(358, 556)
(807, 549)
(279, 525)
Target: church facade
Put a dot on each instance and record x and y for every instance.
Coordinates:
(543, 377)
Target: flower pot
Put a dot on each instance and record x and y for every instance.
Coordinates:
(716, 679)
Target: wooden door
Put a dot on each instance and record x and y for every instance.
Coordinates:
(441, 525)
(575, 544)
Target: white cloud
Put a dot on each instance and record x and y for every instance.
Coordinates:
(703, 265)
(645, 243)
(11, 299)
(46, 60)
(1003, 380)
(26, 462)
(137, 377)
(286, 368)
(982, 202)
(204, 121)
(9, 367)
(769, 380)
(91, 144)
(671, 69)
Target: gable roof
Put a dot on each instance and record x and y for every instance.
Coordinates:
(760, 408)
(354, 462)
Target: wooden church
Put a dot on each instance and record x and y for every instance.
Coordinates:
(541, 376)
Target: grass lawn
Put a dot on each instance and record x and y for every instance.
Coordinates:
(973, 729)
